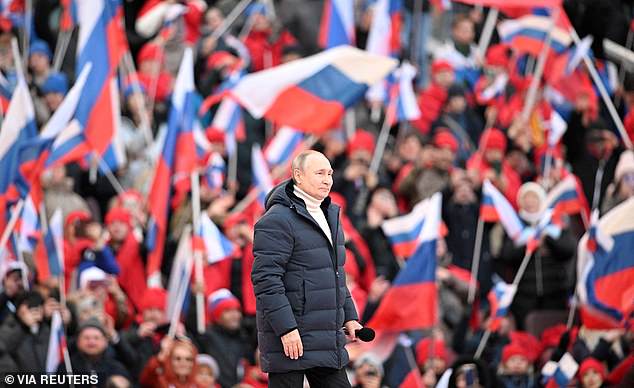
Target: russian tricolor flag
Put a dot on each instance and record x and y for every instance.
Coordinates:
(605, 269)
(214, 173)
(180, 275)
(217, 245)
(56, 343)
(102, 42)
(385, 31)
(500, 298)
(286, 142)
(261, 174)
(49, 255)
(496, 208)
(175, 164)
(228, 119)
(416, 282)
(311, 94)
(337, 24)
(567, 198)
(404, 232)
(403, 105)
(559, 374)
(18, 128)
(528, 33)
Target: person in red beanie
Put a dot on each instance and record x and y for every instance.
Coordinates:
(146, 333)
(490, 90)
(432, 357)
(356, 173)
(432, 170)
(432, 99)
(592, 373)
(224, 338)
(515, 367)
(152, 74)
(266, 40)
(127, 250)
(488, 163)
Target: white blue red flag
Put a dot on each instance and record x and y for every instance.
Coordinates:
(174, 165)
(56, 343)
(559, 374)
(311, 94)
(605, 267)
(337, 24)
(403, 105)
(415, 282)
(496, 208)
(286, 142)
(217, 245)
(500, 298)
(261, 175)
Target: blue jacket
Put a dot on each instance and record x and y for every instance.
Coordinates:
(299, 282)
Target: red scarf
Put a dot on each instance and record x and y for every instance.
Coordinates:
(248, 295)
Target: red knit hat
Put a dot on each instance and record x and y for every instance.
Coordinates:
(150, 52)
(497, 55)
(154, 298)
(493, 139)
(220, 301)
(551, 335)
(440, 65)
(444, 139)
(428, 348)
(219, 59)
(77, 215)
(214, 135)
(594, 364)
(118, 214)
(361, 141)
(514, 349)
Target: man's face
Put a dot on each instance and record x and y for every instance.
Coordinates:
(13, 284)
(445, 158)
(316, 177)
(517, 365)
(230, 319)
(464, 32)
(444, 78)
(92, 342)
(154, 315)
(592, 379)
(39, 63)
(118, 230)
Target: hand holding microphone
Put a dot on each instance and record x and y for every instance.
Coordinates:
(359, 332)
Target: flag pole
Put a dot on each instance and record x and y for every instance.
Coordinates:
(108, 173)
(232, 169)
(230, 19)
(61, 47)
(604, 93)
(531, 96)
(6, 233)
(26, 30)
(516, 282)
(128, 62)
(18, 253)
(628, 44)
(487, 32)
(198, 259)
(182, 287)
(475, 262)
(547, 167)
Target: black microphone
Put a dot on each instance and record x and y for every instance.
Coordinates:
(364, 334)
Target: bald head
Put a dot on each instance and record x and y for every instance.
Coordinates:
(311, 172)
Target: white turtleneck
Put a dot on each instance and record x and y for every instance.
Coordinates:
(313, 205)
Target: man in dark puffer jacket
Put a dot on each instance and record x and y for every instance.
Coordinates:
(302, 300)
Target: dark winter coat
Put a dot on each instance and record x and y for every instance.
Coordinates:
(229, 349)
(299, 282)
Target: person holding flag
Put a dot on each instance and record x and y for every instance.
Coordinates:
(544, 285)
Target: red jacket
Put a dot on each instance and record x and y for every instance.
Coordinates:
(265, 54)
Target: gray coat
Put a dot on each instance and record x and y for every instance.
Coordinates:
(299, 282)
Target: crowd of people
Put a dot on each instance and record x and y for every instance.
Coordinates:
(117, 326)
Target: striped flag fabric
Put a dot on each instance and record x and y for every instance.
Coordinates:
(403, 232)
(605, 267)
(181, 273)
(217, 245)
(215, 172)
(415, 282)
(49, 255)
(500, 298)
(228, 119)
(567, 198)
(527, 34)
(261, 174)
(403, 105)
(337, 24)
(559, 374)
(56, 343)
(557, 129)
(175, 164)
(286, 142)
(311, 94)
(496, 208)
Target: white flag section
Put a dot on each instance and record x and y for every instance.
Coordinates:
(56, 343)
(558, 127)
(181, 273)
(218, 246)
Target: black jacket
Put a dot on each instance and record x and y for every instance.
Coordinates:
(229, 349)
(299, 282)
